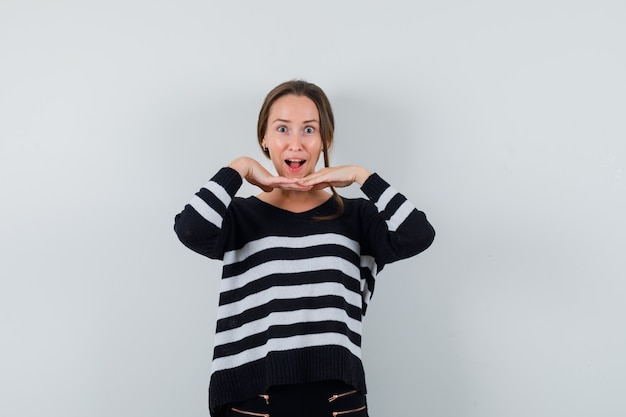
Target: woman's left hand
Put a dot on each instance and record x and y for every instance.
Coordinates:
(341, 176)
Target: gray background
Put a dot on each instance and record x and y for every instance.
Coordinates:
(502, 120)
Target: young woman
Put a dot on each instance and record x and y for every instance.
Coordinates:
(299, 264)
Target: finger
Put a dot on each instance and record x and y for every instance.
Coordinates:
(320, 186)
(293, 188)
(288, 184)
(315, 178)
(283, 181)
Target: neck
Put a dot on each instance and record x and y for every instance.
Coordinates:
(296, 201)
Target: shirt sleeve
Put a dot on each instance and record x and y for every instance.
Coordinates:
(395, 228)
(200, 225)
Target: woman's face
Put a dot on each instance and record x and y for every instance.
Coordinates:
(293, 136)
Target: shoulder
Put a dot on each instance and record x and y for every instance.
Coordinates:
(250, 203)
(357, 208)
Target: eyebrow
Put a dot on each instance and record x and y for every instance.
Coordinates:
(289, 121)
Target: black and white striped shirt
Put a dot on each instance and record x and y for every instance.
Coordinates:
(294, 289)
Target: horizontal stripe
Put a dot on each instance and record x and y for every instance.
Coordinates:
(283, 280)
(290, 267)
(370, 263)
(286, 318)
(272, 242)
(204, 210)
(400, 216)
(288, 254)
(219, 192)
(284, 331)
(284, 305)
(289, 292)
(385, 198)
(283, 344)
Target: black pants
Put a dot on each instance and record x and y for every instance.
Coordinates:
(319, 399)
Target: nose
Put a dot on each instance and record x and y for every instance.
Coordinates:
(296, 142)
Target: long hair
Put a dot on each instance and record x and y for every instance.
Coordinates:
(327, 122)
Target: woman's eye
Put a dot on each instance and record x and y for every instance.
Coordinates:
(309, 129)
(282, 129)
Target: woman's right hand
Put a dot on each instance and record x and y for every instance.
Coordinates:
(256, 174)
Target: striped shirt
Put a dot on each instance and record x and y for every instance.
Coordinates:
(294, 289)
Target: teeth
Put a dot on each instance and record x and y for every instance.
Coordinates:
(295, 163)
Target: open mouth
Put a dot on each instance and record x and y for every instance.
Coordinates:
(295, 163)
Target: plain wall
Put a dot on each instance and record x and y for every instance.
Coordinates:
(503, 120)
